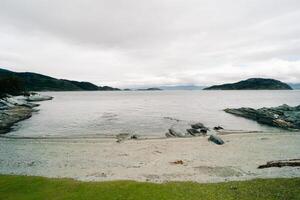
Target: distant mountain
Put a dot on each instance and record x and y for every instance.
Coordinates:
(182, 87)
(38, 82)
(150, 89)
(253, 84)
(295, 86)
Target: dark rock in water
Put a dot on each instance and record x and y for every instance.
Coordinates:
(216, 139)
(283, 116)
(217, 128)
(197, 126)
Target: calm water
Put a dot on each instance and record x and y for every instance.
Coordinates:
(145, 113)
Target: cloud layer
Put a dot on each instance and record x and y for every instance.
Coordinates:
(161, 42)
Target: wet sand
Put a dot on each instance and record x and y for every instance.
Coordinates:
(103, 159)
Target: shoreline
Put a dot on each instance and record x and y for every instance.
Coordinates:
(152, 160)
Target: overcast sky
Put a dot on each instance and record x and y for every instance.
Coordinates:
(127, 43)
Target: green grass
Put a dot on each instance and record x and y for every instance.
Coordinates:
(27, 187)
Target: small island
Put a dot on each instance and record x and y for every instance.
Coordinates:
(150, 89)
(253, 84)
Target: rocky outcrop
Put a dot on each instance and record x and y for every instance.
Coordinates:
(283, 116)
(12, 115)
(38, 97)
(17, 108)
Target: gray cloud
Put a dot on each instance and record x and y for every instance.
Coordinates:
(135, 42)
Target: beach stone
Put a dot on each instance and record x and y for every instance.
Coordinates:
(169, 135)
(193, 132)
(204, 130)
(197, 126)
(175, 133)
(215, 139)
(134, 137)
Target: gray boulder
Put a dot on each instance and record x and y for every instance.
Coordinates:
(215, 139)
(197, 126)
(193, 132)
(175, 133)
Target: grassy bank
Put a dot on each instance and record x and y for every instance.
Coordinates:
(23, 187)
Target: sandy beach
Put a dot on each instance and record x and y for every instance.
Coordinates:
(100, 159)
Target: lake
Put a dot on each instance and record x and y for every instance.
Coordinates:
(149, 113)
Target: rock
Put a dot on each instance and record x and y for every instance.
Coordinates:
(38, 97)
(204, 130)
(193, 132)
(283, 116)
(197, 126)
(217, 128)
(18, 101)
(13, 115)
(177, 162)
(281, 163)
(175, 133)
(216, 139)
(122, 136)
(134, 137)
(169, 135)
(14, 109)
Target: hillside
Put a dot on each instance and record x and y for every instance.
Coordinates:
(38, 82)
(253, 84)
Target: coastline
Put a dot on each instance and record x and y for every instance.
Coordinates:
(152, 160)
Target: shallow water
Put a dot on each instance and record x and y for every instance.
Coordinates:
(145, 112)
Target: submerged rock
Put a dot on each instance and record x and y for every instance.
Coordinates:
(216, 139)
(283, 116)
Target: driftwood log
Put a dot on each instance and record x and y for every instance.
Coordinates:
(281, 163)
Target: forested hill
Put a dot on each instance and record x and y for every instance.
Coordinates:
(253, 84)
(38, 82)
